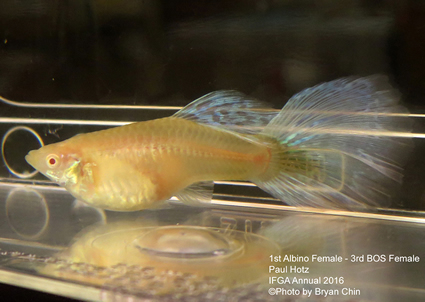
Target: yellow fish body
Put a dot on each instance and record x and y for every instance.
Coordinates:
(312, 153)
(131, 167)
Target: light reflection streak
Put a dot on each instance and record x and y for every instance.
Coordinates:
(33, 244)
(121, 123)
(265, 207)
(388, 214)
(175, 108)
(85, 106)
(15, 120)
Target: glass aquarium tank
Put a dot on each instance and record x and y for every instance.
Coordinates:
(314, 229)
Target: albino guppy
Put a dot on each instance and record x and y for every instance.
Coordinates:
(330, 146)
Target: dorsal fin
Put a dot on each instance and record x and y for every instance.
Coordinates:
(230, 110)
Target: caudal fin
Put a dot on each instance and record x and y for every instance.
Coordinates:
(338, 145)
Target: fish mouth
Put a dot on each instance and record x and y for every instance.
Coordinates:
(30, 158)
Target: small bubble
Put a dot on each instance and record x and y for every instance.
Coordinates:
(169, 273)
(147, 277)
(50, 260)
(156, 285)
(212, 280)
(119, 265)
(179, 282)
(187, 275)
(147, 269)
(121, 278)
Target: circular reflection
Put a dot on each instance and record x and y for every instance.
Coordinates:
(189, 243)
(3, 143)
(175, 258)
(27, 212)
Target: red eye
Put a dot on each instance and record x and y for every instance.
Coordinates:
(52, 160)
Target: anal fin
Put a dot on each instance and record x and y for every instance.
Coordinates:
(197, 193)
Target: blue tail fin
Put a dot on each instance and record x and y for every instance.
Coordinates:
(338, 145)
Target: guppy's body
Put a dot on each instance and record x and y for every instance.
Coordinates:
(139, 164)
(330, 146)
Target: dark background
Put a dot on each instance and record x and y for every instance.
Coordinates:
(169, 52)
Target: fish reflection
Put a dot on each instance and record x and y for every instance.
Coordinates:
(331, 146)
(164, 259)
(294, 253)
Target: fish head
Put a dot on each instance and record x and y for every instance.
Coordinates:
(56, 162)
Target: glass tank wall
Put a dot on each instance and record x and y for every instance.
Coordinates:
(71, 67)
